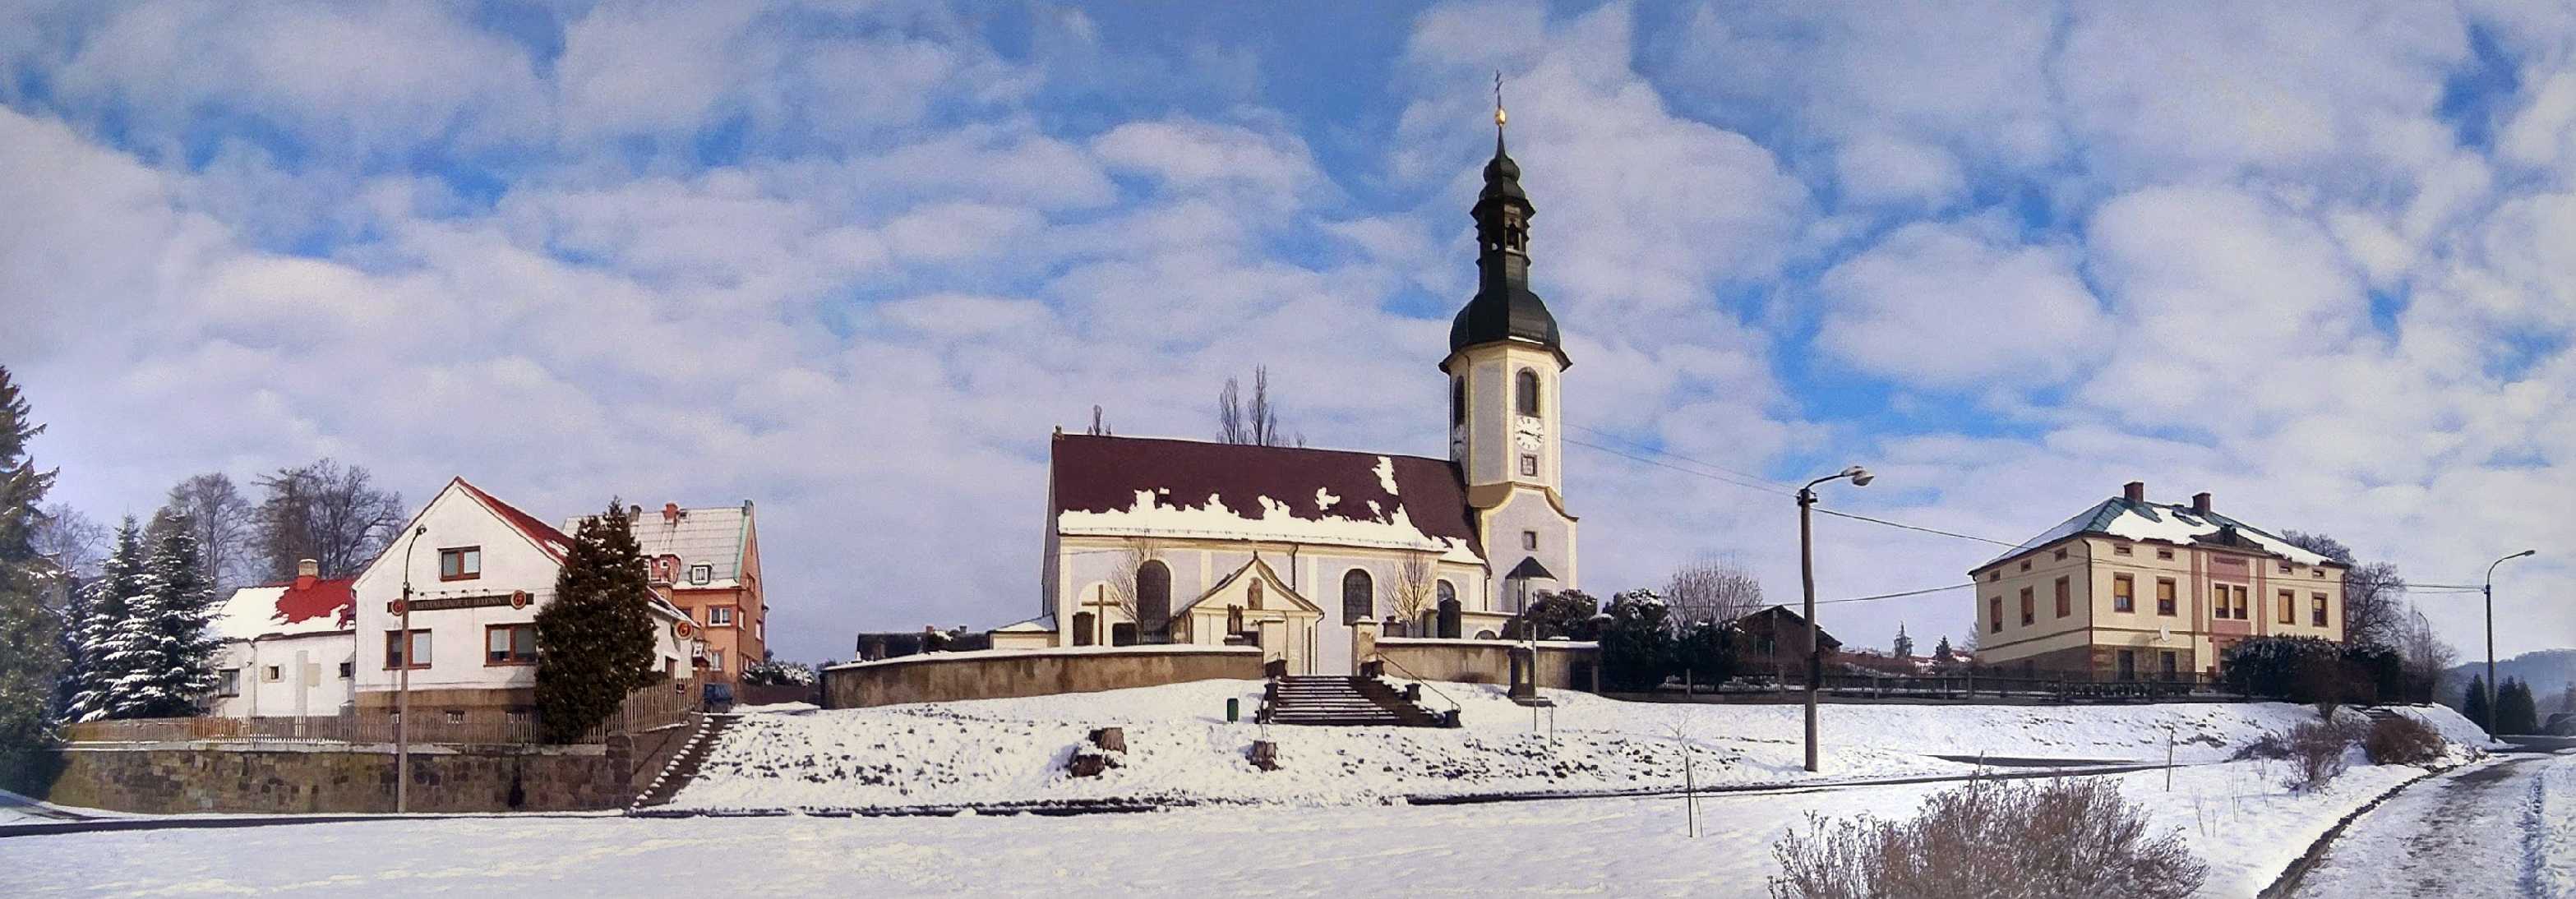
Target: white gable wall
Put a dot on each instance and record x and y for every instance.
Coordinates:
(510, 562)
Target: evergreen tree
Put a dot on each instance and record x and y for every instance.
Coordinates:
(31, 658)
(164, 654)
(595, 639)
(108, 614)
(1636, 641)
(2516, 712)
(2473, 705)
(1942, 653)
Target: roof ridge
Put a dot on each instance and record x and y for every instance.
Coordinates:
(1258, 446)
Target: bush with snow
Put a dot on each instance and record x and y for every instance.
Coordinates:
(2399, 740)
(1990, 838)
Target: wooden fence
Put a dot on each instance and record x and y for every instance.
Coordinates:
(647, 708)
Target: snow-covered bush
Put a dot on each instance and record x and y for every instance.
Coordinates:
(1636, 642)
(2399, 740)
(769, 672)
(2002, 839)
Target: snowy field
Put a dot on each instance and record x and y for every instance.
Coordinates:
(1181, 750)
(2234, 815)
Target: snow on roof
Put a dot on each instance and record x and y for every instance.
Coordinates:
(2120, 517)
(1043, 624)
(1127, 486)
(538, 532)
(714, 536)
(297, 608)
(1096, 649)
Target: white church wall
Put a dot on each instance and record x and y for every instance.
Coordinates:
(1529, 511)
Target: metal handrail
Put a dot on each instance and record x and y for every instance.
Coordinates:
(1419, 679)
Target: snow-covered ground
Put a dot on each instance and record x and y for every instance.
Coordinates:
(2235, 815)
(2502, 827)
(1181, 750)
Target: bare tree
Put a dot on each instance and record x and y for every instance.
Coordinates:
(2374, 595)
(220, 518)
(324, 512)
(1416, 580)
(1124, 590)
(74, 542)
(2423, 654)
(1256, 424)
(1715, 589)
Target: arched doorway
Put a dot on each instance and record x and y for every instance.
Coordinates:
(1153, 600)
(1359, 596)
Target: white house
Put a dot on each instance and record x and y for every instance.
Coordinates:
(1303, 550)
(478, 570)
(288, 649)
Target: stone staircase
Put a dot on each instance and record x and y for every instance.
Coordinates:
(1341, 701)
(683, 766)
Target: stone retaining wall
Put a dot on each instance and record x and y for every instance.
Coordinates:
(1561, 665)
(1004, 673)
(269, 777)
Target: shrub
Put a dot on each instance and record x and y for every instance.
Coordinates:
(2316, 754)
(2267, 746)
(2002, 839)
(2400, 740)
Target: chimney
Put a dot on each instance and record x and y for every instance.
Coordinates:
(2200, 502)
(634, 514)
(307, 568)
(670, 513)
(2135, 491)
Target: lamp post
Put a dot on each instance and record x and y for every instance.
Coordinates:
(1807, 578)
(402, 686)
(2490, 595)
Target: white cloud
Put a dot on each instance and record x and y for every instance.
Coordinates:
(1961, 305)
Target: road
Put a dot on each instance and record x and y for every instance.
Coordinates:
(2468, 833)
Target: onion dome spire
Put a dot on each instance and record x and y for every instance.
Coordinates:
(1504, 308)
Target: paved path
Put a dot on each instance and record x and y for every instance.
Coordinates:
(2461, 834)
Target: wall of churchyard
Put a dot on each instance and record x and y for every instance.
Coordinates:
(1561, 665)
(1000, 674)
(270, 777)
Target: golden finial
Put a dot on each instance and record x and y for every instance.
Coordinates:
(1499, 117)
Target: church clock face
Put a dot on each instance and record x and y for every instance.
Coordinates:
(1529, 431)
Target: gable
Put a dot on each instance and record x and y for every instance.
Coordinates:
(1235, 589)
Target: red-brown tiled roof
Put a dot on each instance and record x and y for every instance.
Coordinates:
(1105, 474)
(542, 534)
(307, 598)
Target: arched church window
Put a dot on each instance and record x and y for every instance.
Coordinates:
(1359, 597)
(1153, 595)
(1447, 611)
(1458, 401)
(1525, 392)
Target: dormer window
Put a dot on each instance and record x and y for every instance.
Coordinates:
(701, 574)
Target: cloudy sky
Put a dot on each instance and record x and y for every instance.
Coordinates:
(856, 261)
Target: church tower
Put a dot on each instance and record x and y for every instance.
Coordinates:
(1504, 365)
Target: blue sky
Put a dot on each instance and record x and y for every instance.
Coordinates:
(854, 261)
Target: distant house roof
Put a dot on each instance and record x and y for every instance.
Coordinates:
(1772, 620)
(1131, 486)
(296, 608)
(715, 536)
(538, 532)
(2120, 516)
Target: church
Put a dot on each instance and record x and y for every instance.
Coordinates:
(1309, 553)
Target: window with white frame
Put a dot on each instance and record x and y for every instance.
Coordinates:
(700, 574)
(719, 616)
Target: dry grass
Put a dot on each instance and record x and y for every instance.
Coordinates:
(2401, 740)
(2000, 839)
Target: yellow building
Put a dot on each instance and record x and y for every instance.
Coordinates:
(2131, 589)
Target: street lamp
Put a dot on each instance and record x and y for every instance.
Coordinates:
(402, 688)
(2490, 592)
(1807, 576)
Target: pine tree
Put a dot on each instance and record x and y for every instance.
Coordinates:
(109, 615)
(2516, 712)
(595, 639)
(2473, 705)
(1942, 653)
(164, 654)
(31, 657)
